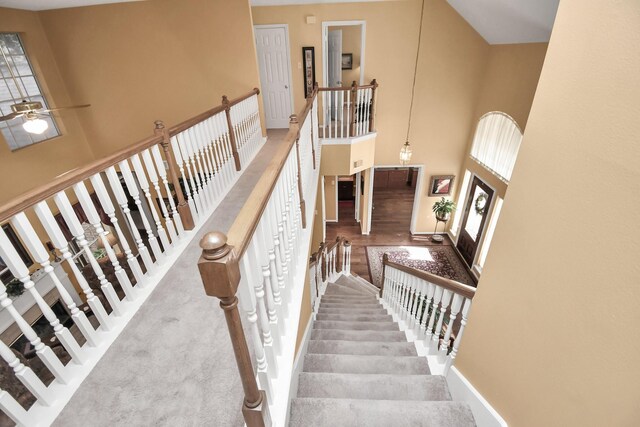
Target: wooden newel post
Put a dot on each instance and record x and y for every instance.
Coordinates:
(295, 126)
(323, 267)
(385, 260)
(372, 112)
(220, 274)
(352, 113)
(339, 255)
(232, 135)
(183, 207)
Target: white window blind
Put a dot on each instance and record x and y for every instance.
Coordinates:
(496, 144)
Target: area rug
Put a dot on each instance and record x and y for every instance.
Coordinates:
(438, 260)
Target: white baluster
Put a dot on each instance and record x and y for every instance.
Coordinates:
(57, 238)
(192, 171)
(45, 354)
(153, 176)
(456, 304)
(437, 296)
(26, 376)
(94, 219)
(41, 256)
(189, 187)
(13, 409)
(428, 300)
(76, 229)
(132, 188)
(444, 304)
(456, 342)
(189, 137)
(157, 159)
(121, 198)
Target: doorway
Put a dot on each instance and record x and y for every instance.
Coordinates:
(274, 64)
(474, 219)
(343, 49)
(393, 199)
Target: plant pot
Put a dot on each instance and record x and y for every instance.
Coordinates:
(444, 217)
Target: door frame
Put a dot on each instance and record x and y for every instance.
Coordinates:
(416, 195)
(490, 208)
(289, 68)
(325, 46)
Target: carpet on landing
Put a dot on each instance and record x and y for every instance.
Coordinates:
(438, 260)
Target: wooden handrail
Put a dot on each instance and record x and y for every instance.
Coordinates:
(212, 112)
(247, 220)
(346, 88)
(452, 285)
(30, 198)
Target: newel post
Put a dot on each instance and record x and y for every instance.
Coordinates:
(372, 112)
(220, 274)
(352, 113)
(385, 260)
(339, 254)
(232, 135)
(295, 126)
(183, 207)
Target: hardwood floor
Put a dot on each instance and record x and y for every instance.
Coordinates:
(390, 224)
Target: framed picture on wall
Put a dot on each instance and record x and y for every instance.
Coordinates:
(441, 185)
(309, 69)
(347, 61)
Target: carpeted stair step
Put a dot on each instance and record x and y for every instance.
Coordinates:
(373, 386)
(353, 283)
(349, 310)
(336, 288)
(349, 299)
(362, 348)
(359, 364)
(355, 317)
(369, 336)
(367, 284)
(347, 306)
(361, 326)
(378, 413)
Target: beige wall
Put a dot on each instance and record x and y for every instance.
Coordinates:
(553, 334)
(331, 197)
(351, 43)
(32, 166)
(459, 74)
(143, 61)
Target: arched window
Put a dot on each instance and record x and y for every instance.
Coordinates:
(496, 144)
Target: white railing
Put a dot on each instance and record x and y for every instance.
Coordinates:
(433, 310)
(326, 266)
(84, 252)
(269, 245)
(348, 111)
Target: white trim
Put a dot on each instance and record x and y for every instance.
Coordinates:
(370, 207)
(336, 192)
(357, 201)
(298, 363)
(463, 391)
(325, 47)
(286, 37)
(324, 211)
(297, 2)
(349, 140)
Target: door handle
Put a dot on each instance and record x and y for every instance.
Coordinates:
(286, 87)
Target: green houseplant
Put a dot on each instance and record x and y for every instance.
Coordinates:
(443, 208)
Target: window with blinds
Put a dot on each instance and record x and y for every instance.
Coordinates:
(17, 61)
(496, 144)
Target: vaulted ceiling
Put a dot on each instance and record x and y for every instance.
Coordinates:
(498, 21)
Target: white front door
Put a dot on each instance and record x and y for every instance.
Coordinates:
(273, 61)
(335, 58)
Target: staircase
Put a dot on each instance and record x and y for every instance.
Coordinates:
(361, 370)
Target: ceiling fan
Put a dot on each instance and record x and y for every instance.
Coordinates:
(32, 111)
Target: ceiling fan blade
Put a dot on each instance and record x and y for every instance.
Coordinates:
(64, 108)
(10, 117)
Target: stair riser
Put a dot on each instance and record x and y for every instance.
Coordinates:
(350, 364)
(347, 305)
(368, 386)
(369, 336)
(352, 311)
(355, 317)
(357, 326)
(362, 348)
(355, 285)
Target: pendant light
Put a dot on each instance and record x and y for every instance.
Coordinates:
(405, 151)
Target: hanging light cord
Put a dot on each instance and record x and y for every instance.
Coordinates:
(415, 71)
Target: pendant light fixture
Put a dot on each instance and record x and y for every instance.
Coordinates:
(405, 151)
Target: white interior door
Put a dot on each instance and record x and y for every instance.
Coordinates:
(274, 64)
(335, 58)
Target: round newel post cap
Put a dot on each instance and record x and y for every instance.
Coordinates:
(214, 245)
(159, 124)
(347, 243)
(293, 118)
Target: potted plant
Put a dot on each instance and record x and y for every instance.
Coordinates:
(15, 288)
(443, 208)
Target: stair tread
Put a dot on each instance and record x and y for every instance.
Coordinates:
(362, 325)
(362, 348)
(365, 364)
(356, 335)
(355, 317)
(373, 413)
(373, 386)
(353, 283)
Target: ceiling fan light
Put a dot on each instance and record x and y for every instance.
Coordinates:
(37, 126)
(405, 154)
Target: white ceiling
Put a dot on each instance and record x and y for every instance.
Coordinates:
(54, 4)
(509, 21)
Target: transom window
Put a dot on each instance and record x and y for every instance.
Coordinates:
(10, 93)
(496, 144)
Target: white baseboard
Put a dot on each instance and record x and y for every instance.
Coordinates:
(462, 390)
(298, 363)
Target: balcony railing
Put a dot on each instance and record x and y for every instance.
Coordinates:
(348, 111)
(97, 240)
